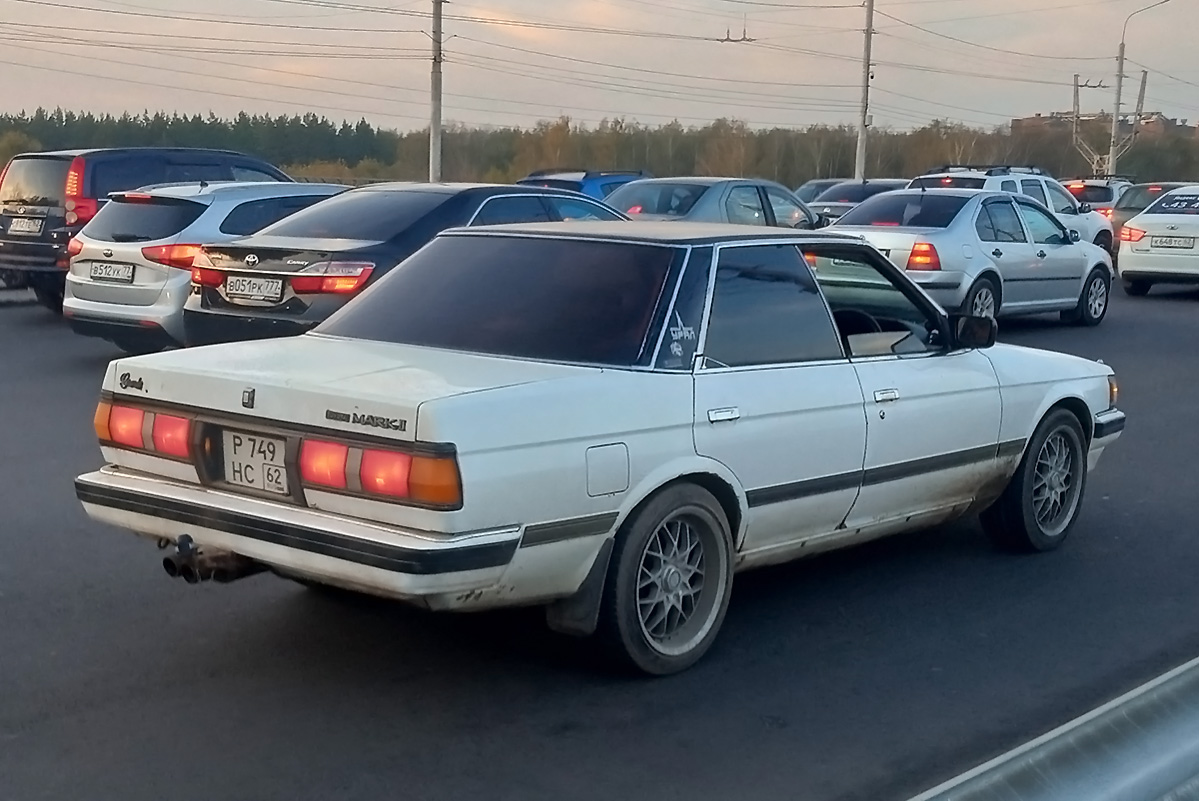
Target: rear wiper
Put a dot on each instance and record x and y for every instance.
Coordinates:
(130, 238)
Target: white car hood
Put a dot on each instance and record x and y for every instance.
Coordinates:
(352, 385)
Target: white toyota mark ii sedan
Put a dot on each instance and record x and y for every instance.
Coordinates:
(606, 419)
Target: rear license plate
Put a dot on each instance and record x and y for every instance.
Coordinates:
(116, 273)
(25, 225)
(248, 287)
(255, 462)
(1181, 242)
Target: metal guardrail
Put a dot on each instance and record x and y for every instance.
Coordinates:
(1143, 746)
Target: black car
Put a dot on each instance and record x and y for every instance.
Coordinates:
(46, 198)
(840, 198)
(290, 276)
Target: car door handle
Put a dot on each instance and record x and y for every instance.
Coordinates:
(1040, 254)
(997, 253)
(886, 395)
(724, 415)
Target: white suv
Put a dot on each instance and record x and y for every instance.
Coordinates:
(1091, 225)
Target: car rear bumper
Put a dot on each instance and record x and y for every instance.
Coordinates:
(1164, 267)
(947, 287)
(433, 569)
(214, 327)
(163, 319)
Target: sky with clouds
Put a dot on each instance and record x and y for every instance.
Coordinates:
(514, 62)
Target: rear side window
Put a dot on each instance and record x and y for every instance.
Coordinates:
(1009, 186)
(667, 199)
(208, 171)
(518, 209)
(254, 215)
(1035, 191)
(1006, 222)
(366, 214)
(142, 221)
(1085, 193)
(525, 297)
(122, 174)
(913, 210)
(35, 181)
(948, 182)
(1175, 203)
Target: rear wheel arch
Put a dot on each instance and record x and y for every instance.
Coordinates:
(996, 280)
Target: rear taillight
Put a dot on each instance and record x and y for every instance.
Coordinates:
(385, 473)
(181, 256)
(324, 463)
(74, 247)
(4, 172)
(125, 426)
(172, 436)
(139, 429)
(924, 257)
(634, 209)
(1131, 234)
(203, 276)
(1106, 213)
(419, 478)
(332, 277)
(80, 209)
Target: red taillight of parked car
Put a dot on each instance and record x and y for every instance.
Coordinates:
(172, 436)
(80, 209)
(333, 277)
(74, 248)
(181, 256)
(1131, 234)
(204, 276)
(324, 463)
(125, 426)
(1106, 213)
(424, 479)
(924, 257)
(385, 473)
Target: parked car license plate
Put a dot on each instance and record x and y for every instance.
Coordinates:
(248, 287)
(25, 225)
(255, 461)
(1181, 242)
(117, 273)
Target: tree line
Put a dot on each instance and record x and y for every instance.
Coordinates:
(315, 147)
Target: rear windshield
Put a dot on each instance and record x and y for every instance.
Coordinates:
(553, 299)
(812, 189)
(854, 192)
(1175, 203)
(571, 186)
(142, 221)
(367, 214)
(1084, 193)
(948, 182)
(35, 181)
(673, 200)
(1139, 197)
(909, 210)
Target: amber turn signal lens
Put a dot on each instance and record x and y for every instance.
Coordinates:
(1113, 391)
(100, 421)
(435, 480)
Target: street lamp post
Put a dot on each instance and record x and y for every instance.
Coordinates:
(1114, 144)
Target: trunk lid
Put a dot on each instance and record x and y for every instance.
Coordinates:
(33, 208)
(1168, 234)
(321, 382)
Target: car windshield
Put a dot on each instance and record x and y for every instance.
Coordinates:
(35, 181)
(855, 192)
(1175, 203)
(667, 199)
(1139, 197)
(565, 300)
(373, 215)
(1087, 193)
(907, 209)
(948, 182)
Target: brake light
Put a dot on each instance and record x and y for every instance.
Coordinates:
(136, 197)
(885, 222)
(125, 426)
(74, 247)
(323, 463)
(172, 435)
(924, 257)
(80, 209)
(332, 277)
(1106, 213)
(635, 209)
(946, 180)
(202, 276)
(1155, 189)
(1131, 234)
(385, 473)
(181, 256)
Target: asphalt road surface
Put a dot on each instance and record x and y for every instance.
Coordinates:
(868, 674)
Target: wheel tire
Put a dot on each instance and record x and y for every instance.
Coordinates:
(1136, 288)
(48, 296)
(1013, 521)
(646, 627)
(1093, 302)
(976, 302)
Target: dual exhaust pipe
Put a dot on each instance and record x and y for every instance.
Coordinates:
(194, 565)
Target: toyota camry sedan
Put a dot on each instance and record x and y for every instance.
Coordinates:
(606, 420)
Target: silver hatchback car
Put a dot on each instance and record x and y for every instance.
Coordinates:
(986, 253)
(130, 271)
(745, 201)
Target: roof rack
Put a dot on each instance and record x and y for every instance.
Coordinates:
(1109, 177)
(586, 173)
(989, 169)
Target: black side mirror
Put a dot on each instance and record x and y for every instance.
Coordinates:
(1075, 236)
(1084, 208)
(974, 332)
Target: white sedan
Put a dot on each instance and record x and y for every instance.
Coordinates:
(605, 419)
(1158, 245)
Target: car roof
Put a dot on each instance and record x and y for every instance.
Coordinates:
(447, 188)
(91, 151)
(945, 191)
(701, 180)
(192, 189)
(659, 232)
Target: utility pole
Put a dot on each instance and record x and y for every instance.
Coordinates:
(1111, 151)
(859, 169)
(1080, 144)
(435, 86)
